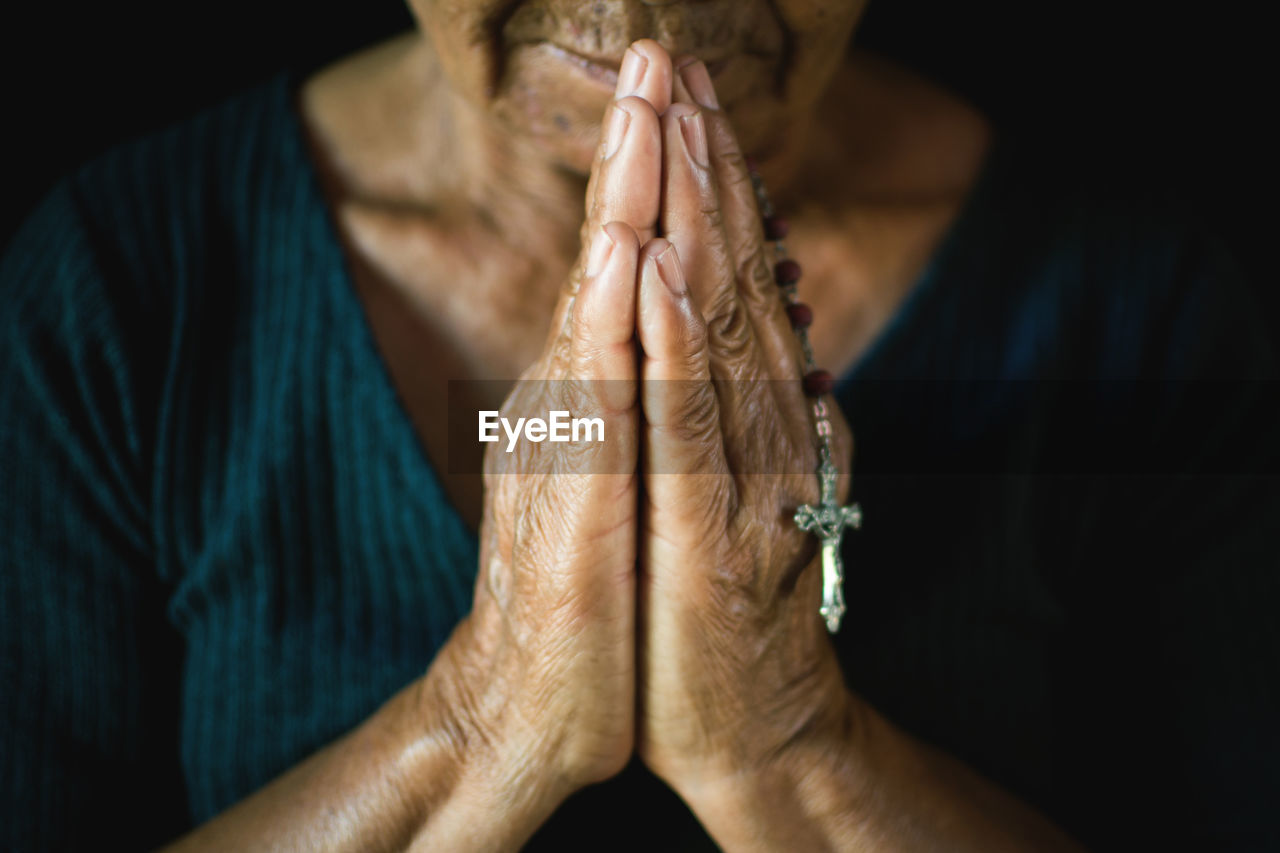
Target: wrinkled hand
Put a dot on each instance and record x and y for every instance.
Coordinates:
(545, 664)
(735, 662)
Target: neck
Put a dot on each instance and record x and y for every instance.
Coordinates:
(500, 181)
(412, 164)
(532, 201)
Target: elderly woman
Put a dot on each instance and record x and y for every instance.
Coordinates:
(254, 593)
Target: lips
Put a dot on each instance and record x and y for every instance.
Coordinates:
(605, 67)
(604, 70)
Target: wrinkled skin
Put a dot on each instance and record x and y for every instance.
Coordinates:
(769, 68)
(734, 662)
(552, 634)
(733, 659)
(651, 593)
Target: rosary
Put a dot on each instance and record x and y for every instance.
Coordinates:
(827, 519)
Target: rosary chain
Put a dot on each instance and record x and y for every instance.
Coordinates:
(821, 414)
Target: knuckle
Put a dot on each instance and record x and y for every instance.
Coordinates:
(573, 394)
(757, 282)
(730, 327)
(735, 181)
(754, 267)
(764, 306)
(588, 364)
(712, 214)
(692, 343)
(697, 414)
(736, 162)
(734, 158)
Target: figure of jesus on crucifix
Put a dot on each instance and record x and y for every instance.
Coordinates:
(827, 521)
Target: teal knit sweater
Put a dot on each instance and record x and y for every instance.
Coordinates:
(221, 545)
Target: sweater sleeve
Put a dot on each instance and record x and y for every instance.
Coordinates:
(88, 665)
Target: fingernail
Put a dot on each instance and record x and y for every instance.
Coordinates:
(601, 249)
(619, 121)
(698, 82)
(631, 74)
(670, 271)
(695, 137)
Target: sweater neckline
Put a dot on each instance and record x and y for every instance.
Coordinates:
(342, 293)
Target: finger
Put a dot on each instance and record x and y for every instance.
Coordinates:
(653, 82)
(772, 323)
(624, 185)
(627, 185)
(742, 225)
(602, 321)
(643, 90)
(625, 182)
(681, 410)
(691, 220)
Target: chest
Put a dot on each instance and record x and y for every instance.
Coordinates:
(443, 344)
(316, 564)
(322, 569)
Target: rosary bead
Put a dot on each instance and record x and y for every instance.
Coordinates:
(786, 272)
(818, 382)
(800, 315)
(775, 227)
(825, 518)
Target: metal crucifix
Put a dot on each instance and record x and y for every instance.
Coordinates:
(828, 520)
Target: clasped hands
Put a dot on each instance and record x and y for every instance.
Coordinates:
(669, 605)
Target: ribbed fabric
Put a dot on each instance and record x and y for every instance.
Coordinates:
(221, 545)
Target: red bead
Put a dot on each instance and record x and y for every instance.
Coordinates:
(786, 272)
(751, 163)
(818, 382)
(801, 315)
(775, 227)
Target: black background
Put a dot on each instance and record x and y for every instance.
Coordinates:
(1171, 96)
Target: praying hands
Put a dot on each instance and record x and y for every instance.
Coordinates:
(740, 703)
(655, 593)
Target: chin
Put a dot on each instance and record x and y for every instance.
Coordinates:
(554, 99)
(547, 68)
